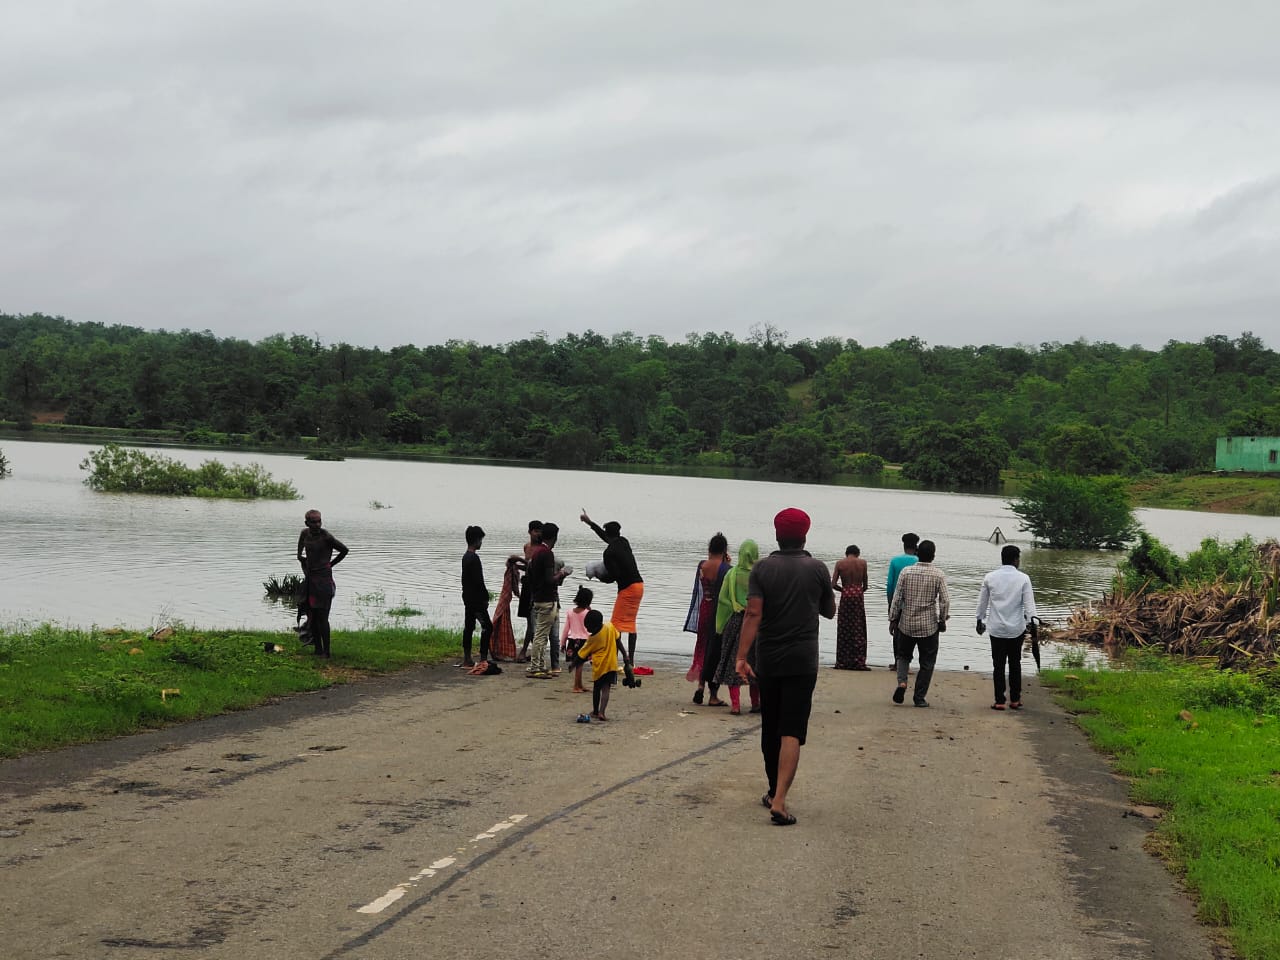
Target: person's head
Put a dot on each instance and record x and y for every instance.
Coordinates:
(718, 544)
(312, 519)
(612, 529)
(748, 554)
(535, 530)
(852, 550)
(582, 598)
(1010, 555)
(593, 621)
(550, 534)
(926, 551)
(791, 527)
(474, 536)
(909, 542)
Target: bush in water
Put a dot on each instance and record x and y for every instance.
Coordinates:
(116, 469)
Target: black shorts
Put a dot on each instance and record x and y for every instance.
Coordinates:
(786, 703)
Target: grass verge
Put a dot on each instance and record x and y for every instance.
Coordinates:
(59, 687)
(1203, 744)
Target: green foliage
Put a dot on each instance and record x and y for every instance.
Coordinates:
(1214, 773)
(117, 469)
(287, 587)
(1084, 449)
(1234, 562)
(5, 469)
(792, 452)
(1077, 512)
(1080, 406)
(866, 465)
(954, 455)
(1151, 565)
(574, 447)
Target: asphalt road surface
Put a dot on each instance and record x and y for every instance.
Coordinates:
(437, 815)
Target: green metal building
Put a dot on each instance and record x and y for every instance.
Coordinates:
(1249, 454)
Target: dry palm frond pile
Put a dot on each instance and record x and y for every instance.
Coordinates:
(1236, 623)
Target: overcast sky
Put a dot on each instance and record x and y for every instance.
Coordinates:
(390, 172)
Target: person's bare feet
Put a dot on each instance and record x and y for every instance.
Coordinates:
(579, 689)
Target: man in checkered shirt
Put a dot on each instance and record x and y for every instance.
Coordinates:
(919, 612)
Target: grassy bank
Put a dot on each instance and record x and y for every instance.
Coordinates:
(59, 687)
(1204, 745)
(1218, 493)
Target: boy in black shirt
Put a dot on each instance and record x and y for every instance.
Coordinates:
(475, 598)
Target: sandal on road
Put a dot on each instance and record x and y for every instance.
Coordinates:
(781, 818)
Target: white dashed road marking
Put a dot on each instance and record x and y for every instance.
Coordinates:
(400, 889)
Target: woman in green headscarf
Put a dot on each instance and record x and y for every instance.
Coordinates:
(729, 610)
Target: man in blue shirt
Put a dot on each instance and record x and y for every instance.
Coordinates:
(899, 563)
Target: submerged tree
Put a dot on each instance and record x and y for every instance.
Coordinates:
(1082, 513)
(4, 465)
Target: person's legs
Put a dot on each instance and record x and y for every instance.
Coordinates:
(468, 629)
(543, 614)
(735, 699)
(753, 690)
(320, 629)
(606, 686)
(596, 687)
(530, 623)
(555, 639)
(710, 665)
(577, 679)
(928, 657)
(631, 647)
(1013, 651)
(770, 739)
(796, 694)
(486, 631)
(903, 650)
(998, 655)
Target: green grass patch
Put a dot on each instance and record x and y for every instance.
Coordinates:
(1221, 493)
(1204, 744)
(59, 687)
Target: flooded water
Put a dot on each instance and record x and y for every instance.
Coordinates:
(74, 557)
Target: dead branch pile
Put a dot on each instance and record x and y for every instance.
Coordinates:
(1238, 624)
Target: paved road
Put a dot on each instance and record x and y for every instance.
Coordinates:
(433, 814)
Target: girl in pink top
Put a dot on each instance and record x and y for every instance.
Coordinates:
(575, 632)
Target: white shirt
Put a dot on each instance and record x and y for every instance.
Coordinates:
(1006, 602)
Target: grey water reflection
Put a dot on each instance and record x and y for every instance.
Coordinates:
(75, 557)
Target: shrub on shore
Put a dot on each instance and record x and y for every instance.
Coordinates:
(117, 469)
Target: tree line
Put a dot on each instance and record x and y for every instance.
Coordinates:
(953, 416)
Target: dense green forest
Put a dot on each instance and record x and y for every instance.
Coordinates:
(803, 410)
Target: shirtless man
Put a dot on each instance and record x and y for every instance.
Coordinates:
(849, 579)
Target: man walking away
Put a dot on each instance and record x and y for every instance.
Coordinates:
(917, 615)
(1006, 605)
(786, 593)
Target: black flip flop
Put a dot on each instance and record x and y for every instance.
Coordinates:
(781, 819)
(767, 801)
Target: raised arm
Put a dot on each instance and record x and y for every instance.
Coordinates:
(590, 523)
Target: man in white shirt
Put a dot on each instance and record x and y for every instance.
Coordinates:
(1005, 607)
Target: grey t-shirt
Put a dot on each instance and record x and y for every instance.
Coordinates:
(792, 585)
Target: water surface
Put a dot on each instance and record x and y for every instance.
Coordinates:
(79, 558)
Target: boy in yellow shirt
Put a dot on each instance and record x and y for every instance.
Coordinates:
(602, 647)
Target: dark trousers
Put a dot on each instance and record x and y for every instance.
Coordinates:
(474, 615)
(711, 662)
(785, 703)
(907, 646)
(1007, 650)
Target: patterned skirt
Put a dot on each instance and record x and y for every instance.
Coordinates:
(851, 630)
